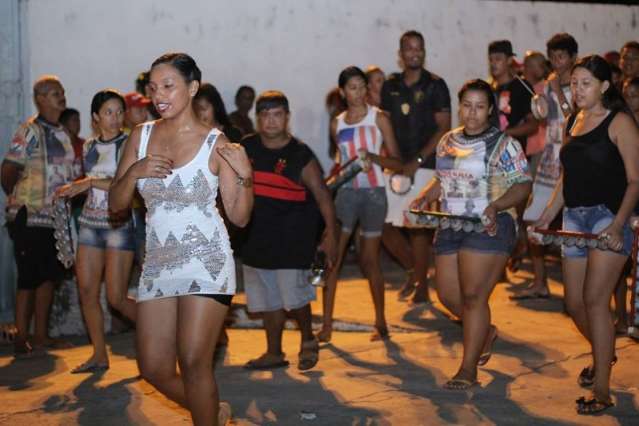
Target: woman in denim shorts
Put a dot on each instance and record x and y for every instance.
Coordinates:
(481, 172)
(106, 243)
(361, 127)
(598, 191)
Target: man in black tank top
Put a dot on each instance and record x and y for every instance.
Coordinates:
(279, 244)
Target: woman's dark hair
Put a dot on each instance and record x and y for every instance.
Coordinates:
(600, 69)
(67, 114)
(209, 93)
(182, 62)
(348, 73)
(478, 85)
(271, 99)
(103, 96)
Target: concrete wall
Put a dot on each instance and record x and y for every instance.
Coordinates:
(296, 46)
(11, 112)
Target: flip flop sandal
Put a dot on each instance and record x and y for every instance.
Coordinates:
(90, 367)
(460, 384)
(262, 363)
(309, 355)
(589, 407)
(587, 376)
(485, 357)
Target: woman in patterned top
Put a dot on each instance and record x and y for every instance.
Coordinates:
(188, 276)
(105, 241)
(481, 172)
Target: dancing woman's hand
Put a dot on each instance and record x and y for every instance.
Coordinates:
(152, 166)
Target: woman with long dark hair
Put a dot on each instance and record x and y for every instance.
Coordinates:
(188, 277)
(480, 172)
(209, 107)
(598, 190)
(106, 241)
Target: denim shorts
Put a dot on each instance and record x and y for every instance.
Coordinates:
(122, 238)
(592, 220)
(448, 241)
(364, 205)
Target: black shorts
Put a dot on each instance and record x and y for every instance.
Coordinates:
(35, 254)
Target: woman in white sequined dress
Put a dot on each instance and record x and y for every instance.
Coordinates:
(188, 276)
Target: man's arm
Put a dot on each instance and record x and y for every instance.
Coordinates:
(10, 176)
(443, 121)
(312, 179)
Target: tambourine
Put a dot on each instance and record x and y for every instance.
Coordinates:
(434, 220)
(62, 231)
(568, 238)
(401, 184)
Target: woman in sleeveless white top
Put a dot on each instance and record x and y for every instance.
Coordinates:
(177, 164)
(361, 128)
(187, 245)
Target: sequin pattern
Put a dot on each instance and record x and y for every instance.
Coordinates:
(177, 196)
(187, 247)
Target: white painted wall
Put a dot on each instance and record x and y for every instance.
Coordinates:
(295, 46)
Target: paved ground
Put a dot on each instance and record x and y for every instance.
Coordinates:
(529, 381)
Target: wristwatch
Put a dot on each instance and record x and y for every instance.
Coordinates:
(246, 182)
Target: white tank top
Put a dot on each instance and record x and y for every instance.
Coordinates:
(362, 135)
(187, 245)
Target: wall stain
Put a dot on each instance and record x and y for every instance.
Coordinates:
(633, 21)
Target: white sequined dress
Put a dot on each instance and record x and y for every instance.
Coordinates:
(187, 245)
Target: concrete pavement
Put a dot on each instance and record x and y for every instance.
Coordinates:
(530, 380)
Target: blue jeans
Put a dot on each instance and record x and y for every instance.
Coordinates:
(592, 220)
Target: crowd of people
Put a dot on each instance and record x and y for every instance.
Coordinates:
(172, 182)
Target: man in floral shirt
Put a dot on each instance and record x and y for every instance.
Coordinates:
(39, 161)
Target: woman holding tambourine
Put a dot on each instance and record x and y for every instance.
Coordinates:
(361, 131)
(481, 173)
(598, 190)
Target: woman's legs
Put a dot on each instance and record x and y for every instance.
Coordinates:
(540, 283)
(574, 274)
(200, 320)
(156, 346)
(478, 273)
(604, 268)
(447, 283)
(329, 291)
(369, 262)
(116, 274)
(89, 267)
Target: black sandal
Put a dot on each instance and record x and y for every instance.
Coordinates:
(588, 407)
(587, 376)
